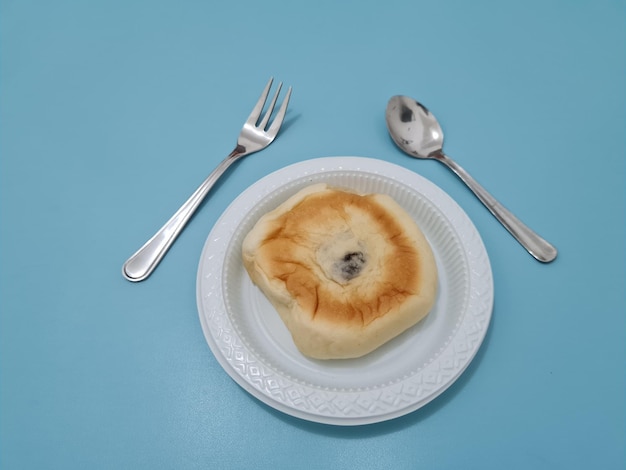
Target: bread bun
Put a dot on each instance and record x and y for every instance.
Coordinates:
(346, 272)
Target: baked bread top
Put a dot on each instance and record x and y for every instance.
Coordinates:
(346, 272)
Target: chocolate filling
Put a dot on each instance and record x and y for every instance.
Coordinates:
(351, 265)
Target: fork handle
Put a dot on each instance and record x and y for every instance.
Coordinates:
(140, 265)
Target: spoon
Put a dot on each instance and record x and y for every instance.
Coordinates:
(416, 131)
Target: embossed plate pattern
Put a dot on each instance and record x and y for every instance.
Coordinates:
(253, 346)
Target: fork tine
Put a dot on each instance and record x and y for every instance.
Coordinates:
(270, 108)
(258, 107)
(280, 116)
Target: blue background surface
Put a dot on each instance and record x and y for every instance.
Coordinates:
(112, 112)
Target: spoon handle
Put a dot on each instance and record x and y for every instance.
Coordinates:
(539, 248)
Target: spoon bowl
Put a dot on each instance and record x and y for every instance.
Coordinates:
(413, 128)
(417, 132)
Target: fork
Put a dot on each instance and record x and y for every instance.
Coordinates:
(254, 136)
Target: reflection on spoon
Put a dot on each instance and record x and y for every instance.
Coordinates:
(416, 131)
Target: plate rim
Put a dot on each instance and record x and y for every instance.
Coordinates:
(392, 171)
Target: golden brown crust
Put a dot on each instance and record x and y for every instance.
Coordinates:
(346, 272)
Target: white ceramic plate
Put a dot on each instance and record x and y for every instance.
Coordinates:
(254, 347)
